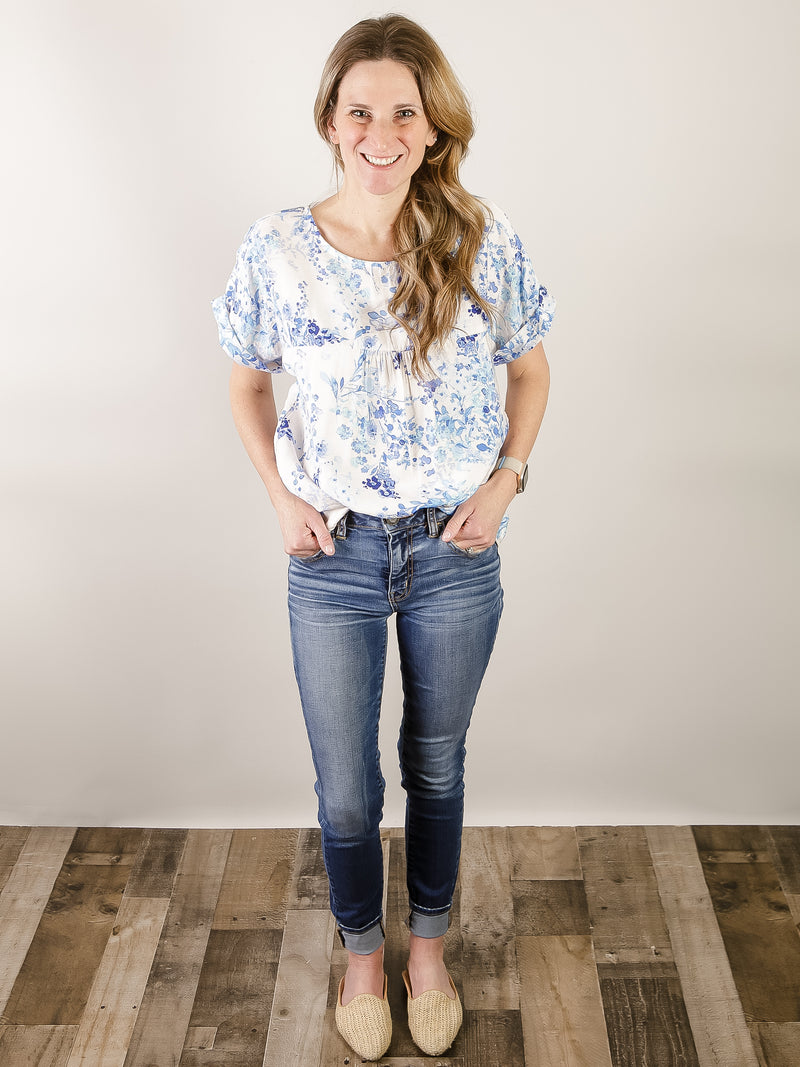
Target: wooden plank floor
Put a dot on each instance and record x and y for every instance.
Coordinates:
(572, 947)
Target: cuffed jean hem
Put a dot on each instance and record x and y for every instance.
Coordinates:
(363, 942)
(423, 924)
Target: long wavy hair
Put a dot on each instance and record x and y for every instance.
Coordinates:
(440, 226)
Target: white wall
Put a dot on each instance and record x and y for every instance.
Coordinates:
(646, 670)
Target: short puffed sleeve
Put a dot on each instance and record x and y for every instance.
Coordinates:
(248, 330)
(508, 281)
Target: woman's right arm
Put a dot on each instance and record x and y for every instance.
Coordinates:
(254, 413)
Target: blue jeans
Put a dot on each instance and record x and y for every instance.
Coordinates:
(448, 607)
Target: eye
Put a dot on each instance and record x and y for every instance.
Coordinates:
(407, 113)
(357, 113)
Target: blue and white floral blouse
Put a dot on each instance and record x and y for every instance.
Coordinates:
(359, 432)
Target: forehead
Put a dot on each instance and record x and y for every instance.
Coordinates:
(382, 79)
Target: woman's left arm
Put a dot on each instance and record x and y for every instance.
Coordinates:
(475, 522)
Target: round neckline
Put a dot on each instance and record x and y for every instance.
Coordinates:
(344, 255)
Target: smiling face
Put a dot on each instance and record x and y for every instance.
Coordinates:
(380, 126)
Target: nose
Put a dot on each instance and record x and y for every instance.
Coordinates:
(382, 133)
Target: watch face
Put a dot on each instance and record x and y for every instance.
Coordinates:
(523, 479)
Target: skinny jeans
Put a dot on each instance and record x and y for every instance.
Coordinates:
(448, 605)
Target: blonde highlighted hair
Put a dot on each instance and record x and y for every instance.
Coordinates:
(440, 226)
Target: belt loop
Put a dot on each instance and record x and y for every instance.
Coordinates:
(433, 522)
(340, 531)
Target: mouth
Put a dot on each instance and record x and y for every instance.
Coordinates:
(380, 161)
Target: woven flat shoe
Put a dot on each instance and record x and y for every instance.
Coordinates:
(365, 1023)
(434, 1019)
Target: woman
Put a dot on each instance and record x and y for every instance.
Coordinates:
(390, 469)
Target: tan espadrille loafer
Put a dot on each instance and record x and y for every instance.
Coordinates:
(434, 1018)
(365, 1023)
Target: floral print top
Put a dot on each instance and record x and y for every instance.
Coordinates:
(359, 431)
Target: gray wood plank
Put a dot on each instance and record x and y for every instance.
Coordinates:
(256, 884)
(628, 925)
(12, 840)
(544, 852)
(712, 1003)
(561, 1007)
(110, 1014)
(487, 921)
(234, 998)
(301, 990)
(166, 1007)
(24, 899)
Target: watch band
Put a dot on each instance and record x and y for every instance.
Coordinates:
(517, 466)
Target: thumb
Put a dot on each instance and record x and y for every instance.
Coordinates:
(323, 535)
(457, 520)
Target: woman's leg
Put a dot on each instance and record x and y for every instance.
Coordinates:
(338, 630)
(446, 632)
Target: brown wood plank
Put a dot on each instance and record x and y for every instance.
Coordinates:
(114, 1000)
(491, 1037)
(777, 1043)
(540, 852)
(166, 1007)
(785, 855)
(54, 981)
(156, 863)
(309, 882)
(255, 886)
(628, 925)
(647, 1023)
(35, 1046)
(12, 839)
(552, 908)
(712, 1003)
(760, 938)
(234, 997)
(561, 1007)
(487, 921)
(23, 900)
(713, 840)
(112, 841)
(301, 990)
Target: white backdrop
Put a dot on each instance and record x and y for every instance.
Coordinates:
(647, 665)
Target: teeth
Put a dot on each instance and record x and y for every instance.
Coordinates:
(378, 162)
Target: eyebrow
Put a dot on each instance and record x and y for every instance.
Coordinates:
(366, 107)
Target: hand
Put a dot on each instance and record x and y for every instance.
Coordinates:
(475, 522)
(303, 528)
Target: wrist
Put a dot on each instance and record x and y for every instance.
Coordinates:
(504, 481)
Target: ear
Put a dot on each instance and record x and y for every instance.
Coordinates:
(333, 136)
(431, 139)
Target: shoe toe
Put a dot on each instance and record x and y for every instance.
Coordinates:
(434, 1018)
(365, 1023)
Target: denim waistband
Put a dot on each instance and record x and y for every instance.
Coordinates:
(431, 518)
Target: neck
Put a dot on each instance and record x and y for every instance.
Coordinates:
(373, 216)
